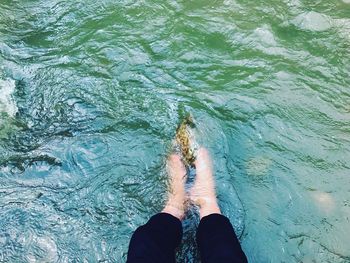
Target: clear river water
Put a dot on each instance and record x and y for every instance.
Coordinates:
(91, 93)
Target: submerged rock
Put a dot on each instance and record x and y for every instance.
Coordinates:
(185, 140)
(324, 201)
(258, 166)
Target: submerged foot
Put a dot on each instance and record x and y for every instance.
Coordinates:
(177, 194)
(203, 192)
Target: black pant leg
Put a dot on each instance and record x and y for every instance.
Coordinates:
(217, 241)
(156, 240)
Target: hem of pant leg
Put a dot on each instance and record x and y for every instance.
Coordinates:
(168, 221)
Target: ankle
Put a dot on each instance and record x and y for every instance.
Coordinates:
(174, 210)
(208, 209)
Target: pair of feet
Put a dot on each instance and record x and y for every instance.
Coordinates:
(203, 191)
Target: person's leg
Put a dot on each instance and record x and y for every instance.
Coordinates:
(157, 240)
(177, 193)
(217, 241)
(216, 238)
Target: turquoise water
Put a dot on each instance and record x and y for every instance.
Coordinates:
(91, 93)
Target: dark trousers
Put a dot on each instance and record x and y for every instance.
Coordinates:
(157, 240)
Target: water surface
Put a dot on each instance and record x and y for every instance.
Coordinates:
(91, 93)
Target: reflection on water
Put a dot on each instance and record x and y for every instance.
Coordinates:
(91, 93)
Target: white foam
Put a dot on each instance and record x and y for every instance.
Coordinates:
(312, 21)
(265, 35)
(343, 26)
(7, 103)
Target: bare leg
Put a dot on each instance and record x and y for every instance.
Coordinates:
(216, 238)
(203, 192)
(156, 241)
(177, 194)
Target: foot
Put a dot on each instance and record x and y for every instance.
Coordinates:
(177, 194)
(203, 192)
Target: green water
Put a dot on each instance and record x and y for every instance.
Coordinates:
(91, 93)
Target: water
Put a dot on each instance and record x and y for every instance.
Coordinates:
(91, 93)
